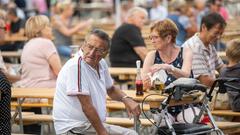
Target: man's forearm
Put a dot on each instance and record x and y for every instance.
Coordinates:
(92, 115)
(206, 80)
(115, 94)
(94, 119)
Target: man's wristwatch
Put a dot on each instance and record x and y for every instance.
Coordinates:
(125, 97)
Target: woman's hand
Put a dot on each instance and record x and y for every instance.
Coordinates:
(156, 67)
(147, 82)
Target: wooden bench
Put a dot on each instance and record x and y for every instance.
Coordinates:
(227, 127)
(225, 113)
(24, 113)
(20, 134)
(126, 122)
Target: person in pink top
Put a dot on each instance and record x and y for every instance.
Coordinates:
(41, 6)
(40, 61)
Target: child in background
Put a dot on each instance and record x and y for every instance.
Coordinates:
(233, 70)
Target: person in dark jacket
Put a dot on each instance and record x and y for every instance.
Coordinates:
(233, 71)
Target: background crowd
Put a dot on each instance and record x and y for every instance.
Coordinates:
(181, 37)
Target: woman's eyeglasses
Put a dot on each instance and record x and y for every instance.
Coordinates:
(153, 37)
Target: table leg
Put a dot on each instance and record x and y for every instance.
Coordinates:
(19, 108)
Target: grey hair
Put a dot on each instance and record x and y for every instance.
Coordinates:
(135, 10)
(102, 35)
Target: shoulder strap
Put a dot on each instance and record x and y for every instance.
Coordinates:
(181, 52)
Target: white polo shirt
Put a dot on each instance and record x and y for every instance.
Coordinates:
(76, 78)
(205, 60)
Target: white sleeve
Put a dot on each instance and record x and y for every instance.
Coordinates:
(77, 83)
(108, 78)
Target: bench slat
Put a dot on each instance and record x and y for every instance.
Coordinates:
(225, 113)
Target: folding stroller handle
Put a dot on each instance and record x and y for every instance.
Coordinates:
(233, 85)
(185, 88)
(221, 81)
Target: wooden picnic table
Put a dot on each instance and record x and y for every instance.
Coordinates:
(14, 38)
(22, 93)
(123, 73)
(11, 54)
(14, 55)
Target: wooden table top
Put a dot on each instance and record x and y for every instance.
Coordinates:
(11, 53)
(122, 70)
(14, 38)
(33, 92)
(49, 93)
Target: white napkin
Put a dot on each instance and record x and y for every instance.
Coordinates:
(161, 75)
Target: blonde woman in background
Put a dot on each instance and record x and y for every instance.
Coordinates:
(64, 29)
(40, 60)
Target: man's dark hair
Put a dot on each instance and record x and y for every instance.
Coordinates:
(213, 19)
(102, 35)
(12, 11)
(211, 1)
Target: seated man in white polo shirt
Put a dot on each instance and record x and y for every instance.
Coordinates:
(205, 58)
(79, 105)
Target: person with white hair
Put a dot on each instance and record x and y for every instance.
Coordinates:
(127, 41)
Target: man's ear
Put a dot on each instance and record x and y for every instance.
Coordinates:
(203, 27)
(105, 54)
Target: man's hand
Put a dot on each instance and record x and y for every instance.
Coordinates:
(132, 107)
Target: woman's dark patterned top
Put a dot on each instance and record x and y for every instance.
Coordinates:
(178, 62)
(5, 112)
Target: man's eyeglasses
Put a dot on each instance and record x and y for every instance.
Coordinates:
(99, 51)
